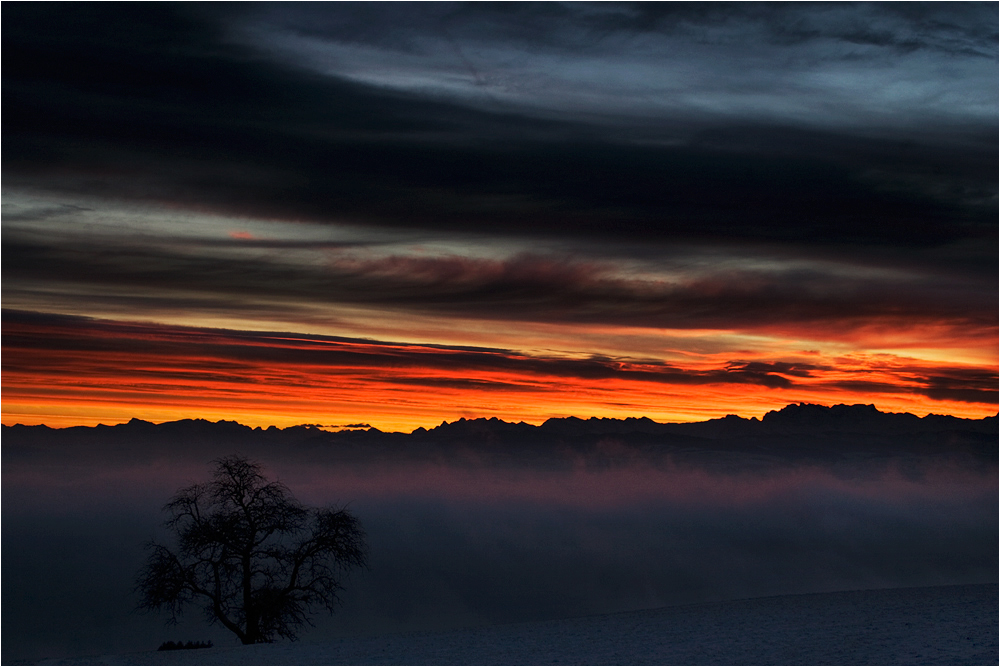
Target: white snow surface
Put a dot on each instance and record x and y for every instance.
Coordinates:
(955, 625)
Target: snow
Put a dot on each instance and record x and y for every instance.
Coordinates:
(935, 625)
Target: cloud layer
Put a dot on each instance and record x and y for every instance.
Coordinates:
(565, 180)
(179, 112)
(263, 378)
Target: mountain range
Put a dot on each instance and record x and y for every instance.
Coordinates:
(797, 431)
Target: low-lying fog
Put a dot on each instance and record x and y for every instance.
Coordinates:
(456, 542)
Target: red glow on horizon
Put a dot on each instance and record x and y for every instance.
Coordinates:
(84, 372)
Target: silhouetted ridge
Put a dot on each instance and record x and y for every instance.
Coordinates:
(479, 426)
(577, 426)
(806, 418)
(799, 431)
(794, 418)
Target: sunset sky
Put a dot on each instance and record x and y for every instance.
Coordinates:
(397, 214)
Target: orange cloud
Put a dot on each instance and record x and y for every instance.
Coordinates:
(67, 370)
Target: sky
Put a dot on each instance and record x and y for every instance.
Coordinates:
(398, 214)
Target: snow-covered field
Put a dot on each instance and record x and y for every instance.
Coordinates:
(936, 625)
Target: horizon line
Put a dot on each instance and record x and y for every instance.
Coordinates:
(339, 428)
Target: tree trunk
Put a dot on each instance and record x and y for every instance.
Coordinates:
(252, 630)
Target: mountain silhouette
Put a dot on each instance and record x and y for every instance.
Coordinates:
(797, 432)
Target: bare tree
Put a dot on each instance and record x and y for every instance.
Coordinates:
(250, 554)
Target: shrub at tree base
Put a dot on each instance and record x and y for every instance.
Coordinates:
(178, 646)
(254, 558)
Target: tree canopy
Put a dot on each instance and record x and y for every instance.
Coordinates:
(255, 559)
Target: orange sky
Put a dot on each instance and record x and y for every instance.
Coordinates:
(228, 229)
(76, 371)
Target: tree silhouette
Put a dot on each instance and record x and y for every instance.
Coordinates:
(257, 560)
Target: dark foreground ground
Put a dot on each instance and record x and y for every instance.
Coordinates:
(956, 625)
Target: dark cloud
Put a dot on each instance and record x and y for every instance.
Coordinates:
(598, 27)
(460, 383)
(155, 102)
(795, 370)
(38, 343)
(971, 386)
(534, 288)
(977, 386)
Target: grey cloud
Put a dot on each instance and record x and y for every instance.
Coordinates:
(37, 214)
(520, 288)
(585, 57)
(592, 26)
(178, 114)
